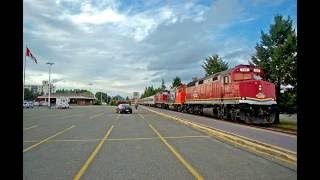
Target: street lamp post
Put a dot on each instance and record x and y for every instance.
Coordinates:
(49, 88)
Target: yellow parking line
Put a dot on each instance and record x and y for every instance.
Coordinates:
(178, 156)
(247, 143)
(141, 116)
(97, 115)
(119, 139)
(25, 129)
(37, 144)
(74, 140)
(31, 141)
(71, 116)
(90, 159)
(179, 137)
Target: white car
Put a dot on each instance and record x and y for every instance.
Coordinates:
(62, 102)
(43, 103)
(27, 104)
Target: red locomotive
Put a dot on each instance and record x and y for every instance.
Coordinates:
(161, 99)
(239, 93)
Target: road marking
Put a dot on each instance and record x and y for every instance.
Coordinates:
(97, 115)
(65, 117)
(178, 156)
(180, 137)
(141, 116)
(118, 116)
(247, 143)
(30, 141)
(25, 129)
(37, 144)
(94, 153)
(119, 139)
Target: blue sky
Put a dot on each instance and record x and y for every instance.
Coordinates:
(123, 46)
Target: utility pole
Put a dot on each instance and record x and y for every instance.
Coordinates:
(49, 88)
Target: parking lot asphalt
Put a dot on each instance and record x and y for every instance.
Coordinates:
(94, 142)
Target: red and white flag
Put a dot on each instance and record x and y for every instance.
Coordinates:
(29, 54)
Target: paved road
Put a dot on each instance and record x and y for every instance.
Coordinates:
(286, 141)
(96, 143)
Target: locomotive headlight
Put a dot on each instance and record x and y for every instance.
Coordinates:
(243, 98)
(260, 88)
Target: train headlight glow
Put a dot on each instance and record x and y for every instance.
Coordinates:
(244, 69)
(256, 70)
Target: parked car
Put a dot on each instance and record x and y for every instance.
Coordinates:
(27, 104)
(43, 103)
(36, 103)
(62, 102)
(124, 108)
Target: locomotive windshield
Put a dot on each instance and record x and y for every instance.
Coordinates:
(247, 76)
(257, 77)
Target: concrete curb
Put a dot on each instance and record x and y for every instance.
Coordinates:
(249, 144)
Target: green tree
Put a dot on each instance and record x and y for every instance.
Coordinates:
(109, 99)
(163, 87)
(27, 94)
(102, 95)
(127, 98)
(277, 55)
(288, 101)
(176, 82)
(214, 64)
(118, 97)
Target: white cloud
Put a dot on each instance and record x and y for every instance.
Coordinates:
(122, 49)
(90, 16)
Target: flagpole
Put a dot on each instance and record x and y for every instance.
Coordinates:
(24, 72)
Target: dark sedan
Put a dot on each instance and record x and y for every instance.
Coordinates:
(124, 108)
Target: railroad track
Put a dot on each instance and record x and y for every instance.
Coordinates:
(282, 130)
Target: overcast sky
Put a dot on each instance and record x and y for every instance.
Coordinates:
(123, 46)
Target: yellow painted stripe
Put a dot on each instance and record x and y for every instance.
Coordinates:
(178, 156)
(25, 129)
(97, 115)
(131, 139)
(265, 99)
(37, 144)
(31, 141)
(118, 139)
(178, 137)
(250, 144)
(66, 117)
(94, 153)
(141, 116)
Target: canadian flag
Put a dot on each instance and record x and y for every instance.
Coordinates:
(29, 54)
